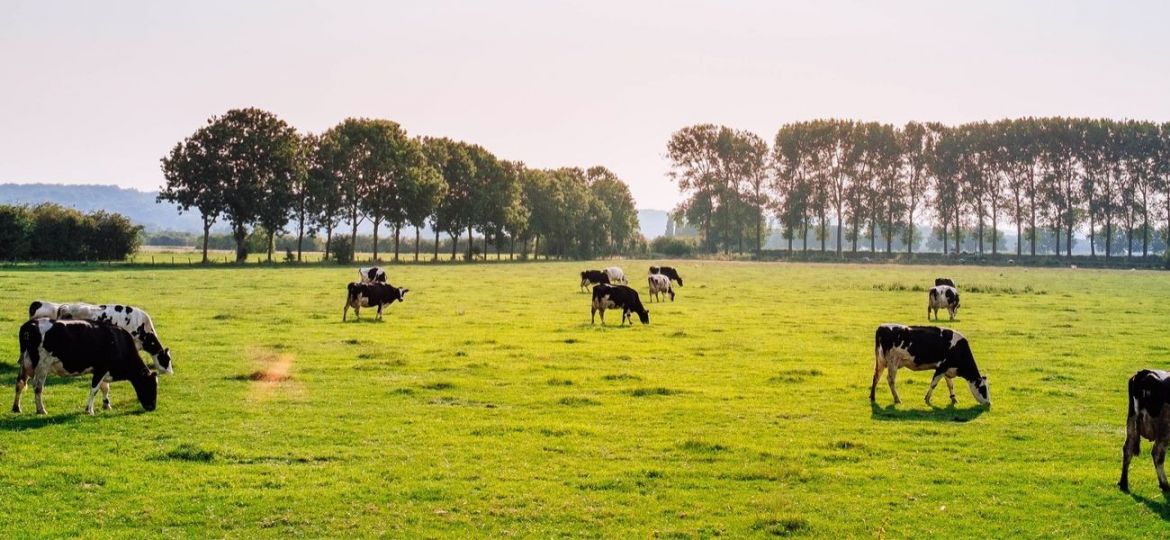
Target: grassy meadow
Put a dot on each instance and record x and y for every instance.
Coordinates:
(487, 405)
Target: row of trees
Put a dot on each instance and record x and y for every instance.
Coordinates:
(53, 232)
(253, 170)
(867, 179)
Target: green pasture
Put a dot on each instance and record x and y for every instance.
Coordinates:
(487, 405)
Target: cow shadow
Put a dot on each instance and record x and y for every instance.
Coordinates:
(30, 420)
(1161, 508)
(950, 413)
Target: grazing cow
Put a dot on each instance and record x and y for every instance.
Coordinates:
(941, 296)
(129, 318)
(76, 347)
(616, 275)
(371, 294)
(617, 296)
(41, 309)
(944, 281)
(372, 274)
(927, 347)
(1149, 417)
(668, 272)
(659, 284)
(593, 277)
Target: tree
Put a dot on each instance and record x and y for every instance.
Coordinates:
(614, 196)
(423, 189)
(326, 201)
(453, 213)
(250, 157)
(302, 191)
(193, 174)
(917, 142)
(694, 163)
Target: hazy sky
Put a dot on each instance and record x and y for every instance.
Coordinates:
(97, 92)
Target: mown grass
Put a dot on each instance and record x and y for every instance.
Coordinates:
(487, 405)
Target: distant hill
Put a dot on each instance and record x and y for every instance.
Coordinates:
(140, 206)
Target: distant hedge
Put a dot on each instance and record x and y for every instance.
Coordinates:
(51, 232)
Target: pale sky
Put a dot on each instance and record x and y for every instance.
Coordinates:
(97, 92)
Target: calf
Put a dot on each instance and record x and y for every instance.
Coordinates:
(659, 284)
(593, 277)
(76, 347)
(371, 294)
(42, 309)
(372, 274)
(927, 347)
(128, 318)
(1148, 417)
(943, 281)
(941, 296)
(616, 275)
(668, 272)
(617, 296)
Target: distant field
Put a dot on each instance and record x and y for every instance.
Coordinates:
(487, 405)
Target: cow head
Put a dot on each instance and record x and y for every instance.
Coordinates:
(161, 356)
(980, 390)
(146, 388)
(644, 316)
(402, 294)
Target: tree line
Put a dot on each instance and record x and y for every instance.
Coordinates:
(254, 171)
(873, 181)
(51, 232)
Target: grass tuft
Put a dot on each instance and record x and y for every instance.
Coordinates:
(574, 401)
(656, 391)
(190, 452)
(786, 526)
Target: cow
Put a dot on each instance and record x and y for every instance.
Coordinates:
(942, 296)
(617, 296)
(918, 348)
(944, 281)
(129, 318)
(40, 309)
(659, 284)
(75, 347)
(1148, 417)
(616, 275)
(372, 274)
(593, 277)
(668, 272)
(371, 294)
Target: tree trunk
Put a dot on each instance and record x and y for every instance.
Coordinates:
(417, 241)
(1056, 231)
(353, 232)
(536, 248)
(946, 241)
(1032, 233)
(512, 248)
(958, 232)
(994, 231)
(1019, 231)
(271, 244)
(436, 259)
(300, 236)
(397, 237)
(981, 234)
(206, 234)
(839, 239)
(328, 240)
(377, 224)
(241, 235)
(1145, 232)
(1092, 232)
(454, 246)
(1108, 238)
(910, 234)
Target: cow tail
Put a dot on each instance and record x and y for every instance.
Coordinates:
(1133, 396)
(877, 349)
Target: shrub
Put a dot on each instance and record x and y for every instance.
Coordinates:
(342, 250)
(672, 246)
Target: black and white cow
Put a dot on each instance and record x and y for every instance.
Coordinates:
(1148, 417)
(919, 348)
(617, 297)
(668, 272)
(129, 318)
(593, 277)
(942, 296)
(371, 294)
(660, 284)
(944, 281)
(41, 309)
(77, 347)
(372, 274)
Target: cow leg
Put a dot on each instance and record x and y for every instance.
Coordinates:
(879, 365)
(1159, 454)
(951, 310)
(106, 404)
(592, 315)
(38, 390)
(21, 382)
(890, 377)
(94, 385)
(951, 387)
(1131, 448)
(345, 311)
(933, 382)
(379, 316)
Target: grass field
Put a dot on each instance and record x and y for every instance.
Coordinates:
(487, 405)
